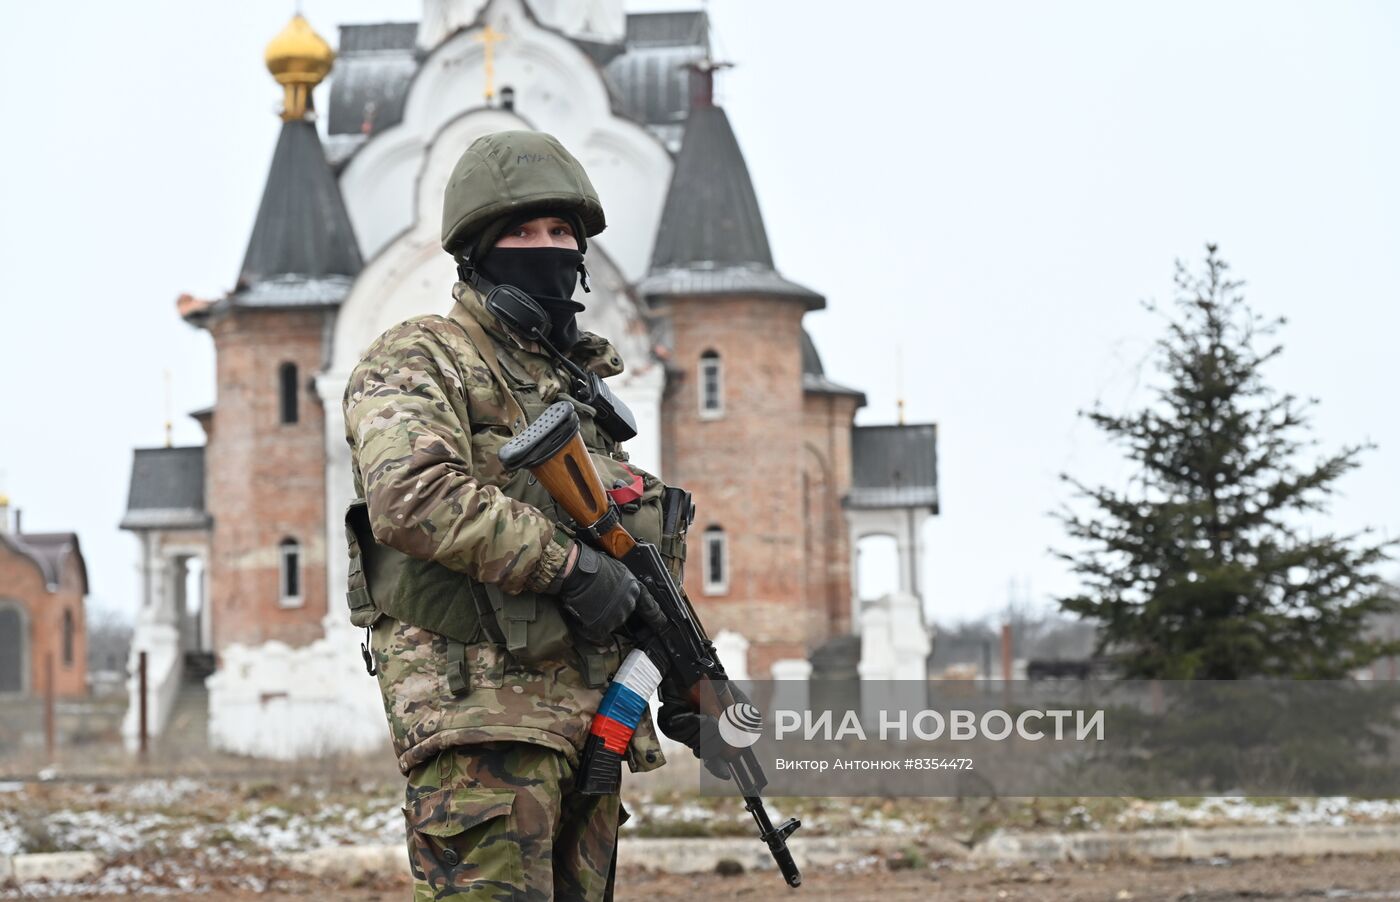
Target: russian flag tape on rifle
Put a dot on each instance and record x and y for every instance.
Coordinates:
(617, 718)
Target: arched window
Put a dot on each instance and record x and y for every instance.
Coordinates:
(878, 564)
(287, 392)
(289, 554)
(716, 561)
(711, 385)
(14, 648)
(68, 637)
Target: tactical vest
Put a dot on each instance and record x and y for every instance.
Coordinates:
(489, 633)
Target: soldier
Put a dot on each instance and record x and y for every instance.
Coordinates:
(490, 627)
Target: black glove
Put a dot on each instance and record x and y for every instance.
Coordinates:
(601, 594)
(679, 720)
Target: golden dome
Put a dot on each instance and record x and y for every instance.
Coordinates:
(4, 500)
(299, 59)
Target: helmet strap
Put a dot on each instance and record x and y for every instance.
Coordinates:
(467, 272)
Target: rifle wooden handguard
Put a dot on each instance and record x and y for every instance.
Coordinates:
(552, 449)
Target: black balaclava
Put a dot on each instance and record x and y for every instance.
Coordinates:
(547, 274)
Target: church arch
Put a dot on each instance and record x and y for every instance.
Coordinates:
(289, 589)
(14, 648)
(711, 385)
(878, 564)
(69, 631)
(287, 396)
(715, 560)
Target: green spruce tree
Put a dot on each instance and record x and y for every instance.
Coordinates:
(1212, 564)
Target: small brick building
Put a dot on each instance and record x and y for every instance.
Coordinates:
(43, 584)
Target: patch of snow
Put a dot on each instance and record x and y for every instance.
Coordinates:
(11, 836)
(1334, 811)
(158, 793)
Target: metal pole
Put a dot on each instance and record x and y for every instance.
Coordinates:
(144, 736)
(48, 706)
(1006, 652)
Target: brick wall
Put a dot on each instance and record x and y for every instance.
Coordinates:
(745, 467)
(265, 479)
(826, 429)
(22, 584)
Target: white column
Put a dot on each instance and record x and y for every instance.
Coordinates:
(909, 639)
(143, 574)
(792, 682)
(905, 553)
(206, 616)
(876, 651)
(733, 651)
(160, 606)
(918, 566)
(876, 667)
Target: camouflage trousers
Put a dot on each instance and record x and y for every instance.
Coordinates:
(501, 821)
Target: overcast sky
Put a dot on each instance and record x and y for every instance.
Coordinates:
(987, 188)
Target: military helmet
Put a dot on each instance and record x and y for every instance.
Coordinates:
(506, 176)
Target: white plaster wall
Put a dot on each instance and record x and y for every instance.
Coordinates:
(442, 17)
(894, 646)
(595, 20)
(339, 494)
(274, 701)
(558, 90)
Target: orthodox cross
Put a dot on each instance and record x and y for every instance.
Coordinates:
(489, 37)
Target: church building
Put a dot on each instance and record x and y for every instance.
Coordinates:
(243, 560)
(43, 630)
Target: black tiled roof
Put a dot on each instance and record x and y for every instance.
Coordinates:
(167, 489)
(49, 551)
(651, 78)
(814, 376)
(377, 36)
(711, 214)
(668, 29)
(894, 466)
(302, 233)
(373, 68)
(811, 360)
(711, 239)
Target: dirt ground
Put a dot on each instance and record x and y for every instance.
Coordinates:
(210, 836)
(1178, 881)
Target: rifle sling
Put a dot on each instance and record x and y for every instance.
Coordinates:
(487, 351)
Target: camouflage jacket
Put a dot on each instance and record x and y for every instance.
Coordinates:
(425, 419)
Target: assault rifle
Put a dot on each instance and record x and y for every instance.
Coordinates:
(552, 449)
